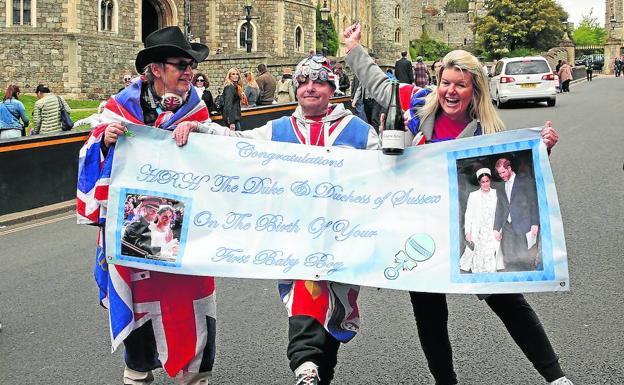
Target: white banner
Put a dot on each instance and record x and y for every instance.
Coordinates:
(259, 209)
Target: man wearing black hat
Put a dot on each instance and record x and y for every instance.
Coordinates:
(163, 98)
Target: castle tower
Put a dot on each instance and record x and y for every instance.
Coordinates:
(394, 24)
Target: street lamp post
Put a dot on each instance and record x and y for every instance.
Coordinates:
(187, 20)
(324, 23)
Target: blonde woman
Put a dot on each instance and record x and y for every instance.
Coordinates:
(252, 91)
(233, 98)
(459, 107)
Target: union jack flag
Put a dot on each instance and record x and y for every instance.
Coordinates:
(181, 308)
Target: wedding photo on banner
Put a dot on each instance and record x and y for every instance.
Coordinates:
(475, 215)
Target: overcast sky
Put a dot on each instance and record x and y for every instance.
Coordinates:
(577, 8)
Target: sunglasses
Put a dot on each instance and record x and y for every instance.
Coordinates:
(200, 80)
(127, 79)
(183, 65)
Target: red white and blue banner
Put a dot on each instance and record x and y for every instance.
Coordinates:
(271, 210)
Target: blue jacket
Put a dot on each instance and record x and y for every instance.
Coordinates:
(11, 111)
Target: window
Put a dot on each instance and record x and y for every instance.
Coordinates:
(106, 15)
(397, 36)
(440, 26)
(397, 12)
(247, 31)
(21, 12)
(299, 39)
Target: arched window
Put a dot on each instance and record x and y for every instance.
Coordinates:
(247, 31)
(397, 36)
(20, 12)
(397, 12)
(107, 9)
(299, 39)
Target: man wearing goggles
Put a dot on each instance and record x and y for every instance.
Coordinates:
(322, 314)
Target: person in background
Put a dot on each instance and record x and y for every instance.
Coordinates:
(403, 69)
(356, 98)
(252, 91)
(13, 112)
(126, 80)
(286, 87)
(201, 84)
(421, 73)
(565, 75)
(343, 79)
(47, 111)
(557, 68)
(435, 67)
(459, 107)
(266, 84)
(390, 75)
(372, 109)
(233, 98)
(322, 315)
(589, 68)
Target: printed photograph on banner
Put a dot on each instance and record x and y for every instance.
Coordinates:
(152, 227)
(499, 218)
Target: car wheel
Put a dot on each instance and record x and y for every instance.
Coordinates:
(498, 103)
(551, 102)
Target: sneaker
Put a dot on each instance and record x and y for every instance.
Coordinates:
(308, 377)
(562, 381)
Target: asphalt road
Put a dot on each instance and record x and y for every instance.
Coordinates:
(53, 331)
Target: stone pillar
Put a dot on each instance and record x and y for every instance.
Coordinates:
(569, 47)
(611, 51)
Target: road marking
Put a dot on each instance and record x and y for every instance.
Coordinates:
(37, 224)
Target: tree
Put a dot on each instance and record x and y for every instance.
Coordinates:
(326, 29)
(456, 6)
(428, 48)
(589, 31)
(513, 24)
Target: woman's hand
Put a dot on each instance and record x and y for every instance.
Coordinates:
(549, 135)
(352, 36)
(469, 237)
(182, 131)
(112, 133)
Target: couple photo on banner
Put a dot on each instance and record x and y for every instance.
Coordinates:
(149, 309)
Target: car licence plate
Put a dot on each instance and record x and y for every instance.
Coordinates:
(528, 85)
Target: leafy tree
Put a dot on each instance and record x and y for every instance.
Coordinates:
(326, 29)
(589, 31)
(513, 24)
(428, 48)
(456, 6)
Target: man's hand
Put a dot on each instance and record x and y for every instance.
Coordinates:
(549, 135)
(352, 36)
(182, 131)
(112, 132)
(497, 235)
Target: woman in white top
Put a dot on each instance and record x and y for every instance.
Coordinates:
(162, 236)
(480, 255)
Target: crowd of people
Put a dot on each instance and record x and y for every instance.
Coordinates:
(322, 315)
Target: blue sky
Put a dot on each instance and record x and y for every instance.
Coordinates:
(577, 8)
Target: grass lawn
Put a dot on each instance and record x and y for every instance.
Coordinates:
(80, 108)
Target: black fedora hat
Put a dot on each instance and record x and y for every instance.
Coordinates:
(168, 42)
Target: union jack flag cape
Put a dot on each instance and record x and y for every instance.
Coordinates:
(181, 308)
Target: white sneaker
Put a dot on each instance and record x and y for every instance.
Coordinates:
(307, 374)
(562, 381)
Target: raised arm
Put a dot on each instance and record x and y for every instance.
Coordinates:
(371, 77)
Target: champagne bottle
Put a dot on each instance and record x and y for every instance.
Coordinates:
(393, 136)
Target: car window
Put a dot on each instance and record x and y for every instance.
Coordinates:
(499, 68)
(527, 67)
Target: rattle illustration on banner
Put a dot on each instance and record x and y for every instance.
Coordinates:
(418, 248)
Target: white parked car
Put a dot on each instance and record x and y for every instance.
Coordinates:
(523, 78)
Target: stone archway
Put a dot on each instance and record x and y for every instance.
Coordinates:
(157, 14)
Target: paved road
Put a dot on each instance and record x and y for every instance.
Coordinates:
(54, 333)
